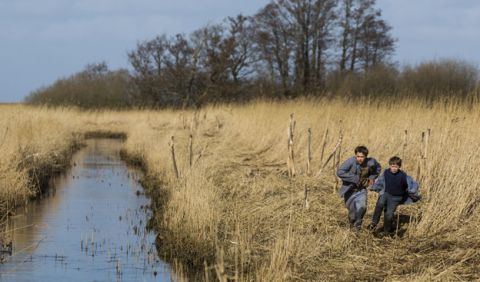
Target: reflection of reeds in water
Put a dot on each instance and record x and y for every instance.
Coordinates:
(139, 252)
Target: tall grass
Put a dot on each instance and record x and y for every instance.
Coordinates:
(34, 143)
(237, 213)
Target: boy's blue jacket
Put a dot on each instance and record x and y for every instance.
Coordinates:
(412, 190)
(349, 173)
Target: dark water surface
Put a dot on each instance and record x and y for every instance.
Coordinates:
(89, 227)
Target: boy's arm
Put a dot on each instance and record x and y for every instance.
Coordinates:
(343, 172)
(379, 185)
(376, 170)
(412, 188)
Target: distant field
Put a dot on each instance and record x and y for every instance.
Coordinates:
(235, 211)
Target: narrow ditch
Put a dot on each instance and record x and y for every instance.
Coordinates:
(90, 225)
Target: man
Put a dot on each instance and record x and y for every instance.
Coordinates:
(357, 173)
(395, 188)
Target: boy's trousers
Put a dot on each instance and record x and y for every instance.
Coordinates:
(390, 204)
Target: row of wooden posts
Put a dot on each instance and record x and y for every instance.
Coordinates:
(193, 126)
(334, 155)
(291, 156)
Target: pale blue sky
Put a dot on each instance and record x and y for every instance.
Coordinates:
(42, 41)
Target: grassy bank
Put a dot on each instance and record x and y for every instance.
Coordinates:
(235, 211)
(34, 144)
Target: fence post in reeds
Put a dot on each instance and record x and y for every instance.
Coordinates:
(427, 137)
(307, 204)
(419, 163)
(184, 122)
(219, 123)
(206, 270)
(336, 160)
(190, 150)
(309, 152)
(291, 156)
(425, 141)
(174, 161)
(405, 142)
(324, 144)
(220, 268)
(398, 224)
(330, 156)
(194, 124)
(334, 173)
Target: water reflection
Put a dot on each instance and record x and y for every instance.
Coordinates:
(90, 226)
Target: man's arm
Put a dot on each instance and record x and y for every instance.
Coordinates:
(344, 173)
(379, 185)
(377, 169)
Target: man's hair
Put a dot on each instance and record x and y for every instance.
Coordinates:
(361, 149)
(395, 161)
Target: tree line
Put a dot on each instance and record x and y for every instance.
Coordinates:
(287, 49)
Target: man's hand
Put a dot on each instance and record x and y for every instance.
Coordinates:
(364, 183)
(371, 182)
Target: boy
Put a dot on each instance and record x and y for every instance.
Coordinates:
(395, 188)
(357, 173)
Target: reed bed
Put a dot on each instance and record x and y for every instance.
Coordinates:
(232, 211)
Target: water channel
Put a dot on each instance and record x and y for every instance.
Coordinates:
(89, 226)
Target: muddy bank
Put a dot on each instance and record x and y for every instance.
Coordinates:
(189, 255)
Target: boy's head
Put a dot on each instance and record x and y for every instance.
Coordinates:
(395, 164)
(361, 153)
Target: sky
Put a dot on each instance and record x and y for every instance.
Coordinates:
(41, 41)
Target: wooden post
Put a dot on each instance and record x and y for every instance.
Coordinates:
(398, 224)
(219, 123)
(340, 145)
(427, 137)
(334, 173)
(422, 157)
(205, 265)
(184, 122)
(405, 142)
(330, 157)
(423, 145)
(194, 124)
(172, 148)
(291, 156)
(324, 144)
(190, 149)
(307, 205)
(309, 152)
(337, 162)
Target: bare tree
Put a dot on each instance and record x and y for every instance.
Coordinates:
(365, 36)
(377, 43)
(238, 47)
(273, 37)
(147, 61)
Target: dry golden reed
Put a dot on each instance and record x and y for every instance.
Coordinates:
(235, 211)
